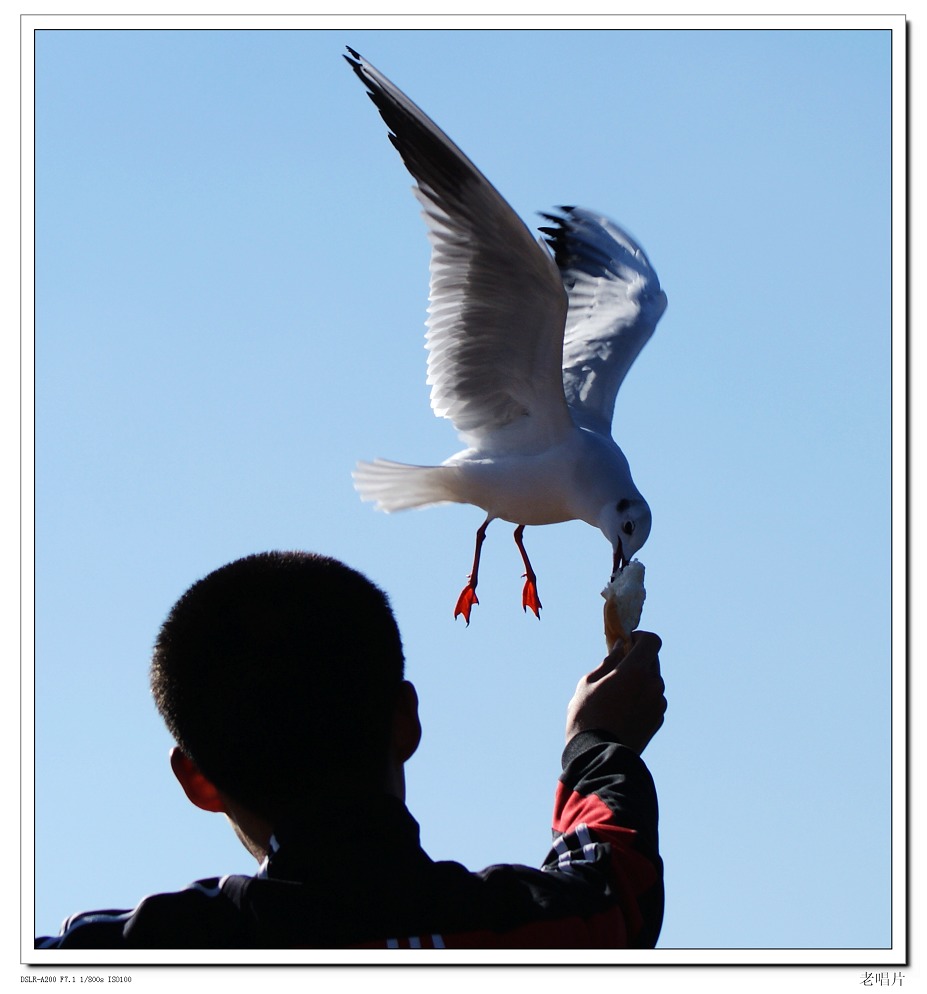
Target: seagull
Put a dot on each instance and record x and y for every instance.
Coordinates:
(529, 340)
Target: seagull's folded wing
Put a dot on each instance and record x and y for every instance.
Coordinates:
(497, 302)
(615, 303)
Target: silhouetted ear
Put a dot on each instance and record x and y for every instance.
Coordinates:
(198, 789)
(407, 729)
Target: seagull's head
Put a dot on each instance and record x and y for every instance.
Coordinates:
(626, 524)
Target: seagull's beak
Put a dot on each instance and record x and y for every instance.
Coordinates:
(618, 562)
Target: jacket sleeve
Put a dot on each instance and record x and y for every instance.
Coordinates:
(200, 916)
(605, 830)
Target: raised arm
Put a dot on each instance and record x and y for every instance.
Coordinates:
(605, 809)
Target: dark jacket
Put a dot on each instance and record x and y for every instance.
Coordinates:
(363, 880)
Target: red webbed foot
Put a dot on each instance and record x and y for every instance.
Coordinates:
(465, 602)
(529, 597)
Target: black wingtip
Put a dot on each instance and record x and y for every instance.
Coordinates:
(355, 63)
(557, 236)
(560, 219)
(358, 68)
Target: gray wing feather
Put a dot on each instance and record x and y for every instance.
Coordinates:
(615, 304)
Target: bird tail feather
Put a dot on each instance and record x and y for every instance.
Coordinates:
(395, 486)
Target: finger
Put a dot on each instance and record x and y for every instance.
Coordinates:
(651, 692)
(641, 659)
(653, 642)
(608, 664)
(652, 700)
(643, 653)
(636, 674)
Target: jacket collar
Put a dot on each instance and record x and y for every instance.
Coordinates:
(363, 829)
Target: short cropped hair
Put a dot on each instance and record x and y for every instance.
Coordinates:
(278, 675)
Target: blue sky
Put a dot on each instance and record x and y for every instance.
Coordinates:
(231, 283)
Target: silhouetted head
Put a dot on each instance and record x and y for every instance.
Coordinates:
(278, 676)
(626, 524)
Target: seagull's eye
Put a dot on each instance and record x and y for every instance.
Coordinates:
(628, 528)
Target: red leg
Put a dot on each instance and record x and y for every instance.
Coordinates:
(468, 597)
(529, 596)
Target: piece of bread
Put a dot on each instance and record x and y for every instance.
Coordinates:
(624, 601)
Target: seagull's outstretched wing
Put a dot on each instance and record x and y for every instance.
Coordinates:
(615, 303)
(497, 303)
